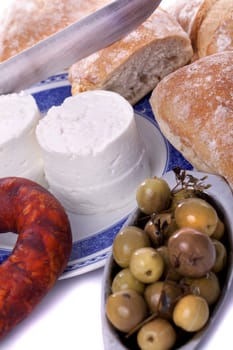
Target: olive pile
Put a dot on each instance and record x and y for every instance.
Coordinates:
(169, 265)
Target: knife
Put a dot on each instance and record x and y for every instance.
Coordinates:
(79, 40)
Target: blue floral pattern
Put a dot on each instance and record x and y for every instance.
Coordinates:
(94, 250)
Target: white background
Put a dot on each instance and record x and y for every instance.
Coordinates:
(69, 316)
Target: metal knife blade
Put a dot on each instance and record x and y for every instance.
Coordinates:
(73, 43)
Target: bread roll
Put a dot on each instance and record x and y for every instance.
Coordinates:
(134, 65)
(216, 31)
(190, 15)
(25, 22)
(193, 107)
(209, 23)
(222, 38)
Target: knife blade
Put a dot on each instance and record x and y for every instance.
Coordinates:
(79, 40)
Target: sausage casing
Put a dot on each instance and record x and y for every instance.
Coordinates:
(41, 251)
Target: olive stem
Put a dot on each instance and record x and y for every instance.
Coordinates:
(184, 180)
(138, 326)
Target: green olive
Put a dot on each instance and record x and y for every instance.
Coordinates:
(153, 195)
(180, 195)
(160, 227)
(207, 287)
(191, 313)
(221, 256)
(161, 297)
(125, 309)
(158, 334)
(124, 279)
(219, 231)
(129, 239)
(146, 264)
(198, 214)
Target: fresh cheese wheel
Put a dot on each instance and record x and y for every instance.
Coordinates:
(19, 151)
(93, 155)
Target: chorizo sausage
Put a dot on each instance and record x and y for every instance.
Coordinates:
(41, 251)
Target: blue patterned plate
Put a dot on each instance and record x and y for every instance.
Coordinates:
(93, 234)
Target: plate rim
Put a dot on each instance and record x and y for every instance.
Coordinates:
(96, 259)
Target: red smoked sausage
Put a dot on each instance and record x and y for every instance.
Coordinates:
(41, 252)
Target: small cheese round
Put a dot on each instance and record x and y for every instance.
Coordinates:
(93, 155)
(19, 150)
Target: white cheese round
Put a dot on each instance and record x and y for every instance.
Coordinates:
(93, 156)
(19, 150)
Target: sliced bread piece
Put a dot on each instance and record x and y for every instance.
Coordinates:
(134, 65)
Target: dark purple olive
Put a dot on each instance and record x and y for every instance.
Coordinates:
(191, 252)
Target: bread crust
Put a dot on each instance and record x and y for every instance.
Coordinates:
(215, 33)
(209, 23)
(134, 65)
(190, 15)
(222, 38)
(194, 108)
(24, 23)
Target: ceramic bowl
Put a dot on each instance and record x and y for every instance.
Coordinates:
(223, 196)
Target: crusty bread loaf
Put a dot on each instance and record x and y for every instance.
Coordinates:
(222, 38)
(134, 65)
(194, 108)
(25, 22)
(209, 23)
(215, 33)
(190, 15)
